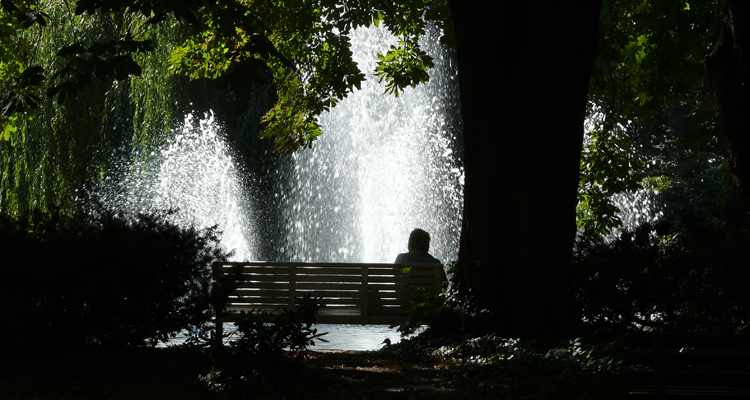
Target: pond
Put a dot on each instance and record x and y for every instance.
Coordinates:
(340, 337)
(355, 337)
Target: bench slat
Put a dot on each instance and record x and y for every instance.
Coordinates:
(384, 290)
(426, 278)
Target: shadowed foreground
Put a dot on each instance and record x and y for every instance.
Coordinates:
(174, 373)
(380, 375)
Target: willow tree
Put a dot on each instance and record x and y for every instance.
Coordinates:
(61, 124)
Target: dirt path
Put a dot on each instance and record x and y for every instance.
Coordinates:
(378, 375)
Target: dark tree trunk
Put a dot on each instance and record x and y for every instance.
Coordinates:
(524, 71)
(727, 68)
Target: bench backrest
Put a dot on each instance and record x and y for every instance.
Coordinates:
(351, 293)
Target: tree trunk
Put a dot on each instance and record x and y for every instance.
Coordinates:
(727, 70)
(524, 71)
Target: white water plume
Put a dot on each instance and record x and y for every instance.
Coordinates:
(383, 166)
(195, 174)
(635, 208)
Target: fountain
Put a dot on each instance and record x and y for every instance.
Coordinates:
(194, 174)
(634, 207)
(383, 166)
(637, 208)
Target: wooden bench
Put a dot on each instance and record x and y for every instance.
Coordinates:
(688, 366)
(350, 293)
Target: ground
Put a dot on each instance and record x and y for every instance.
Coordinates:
(381, 375)
(174, 374)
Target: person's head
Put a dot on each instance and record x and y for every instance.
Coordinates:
(419, 240)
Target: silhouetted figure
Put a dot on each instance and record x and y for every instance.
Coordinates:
(419, 247)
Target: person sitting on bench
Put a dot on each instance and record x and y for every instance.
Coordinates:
(419, 247)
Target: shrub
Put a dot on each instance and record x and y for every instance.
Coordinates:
(103, 278)
(508, 368)
(257, 361)
(264, 335)
(695, 279)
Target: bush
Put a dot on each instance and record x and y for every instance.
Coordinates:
(266, 336)
(257, 362)
(507, 368)
(103, 278)
(694, 279)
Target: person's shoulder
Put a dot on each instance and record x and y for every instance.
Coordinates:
(401, 258)
(416, 257)
(431, 260)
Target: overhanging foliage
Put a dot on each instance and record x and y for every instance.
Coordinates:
(303, 44)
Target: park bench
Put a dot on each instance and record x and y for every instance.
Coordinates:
(350, 293)
(688, 366)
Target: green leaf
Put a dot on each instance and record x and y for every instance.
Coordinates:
(8, 129)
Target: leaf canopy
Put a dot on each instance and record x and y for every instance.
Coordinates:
(303, 44)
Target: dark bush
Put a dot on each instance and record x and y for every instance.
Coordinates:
(257, 364)
(265, 336)
(501, 368)
(694, 279)
(103, 278)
